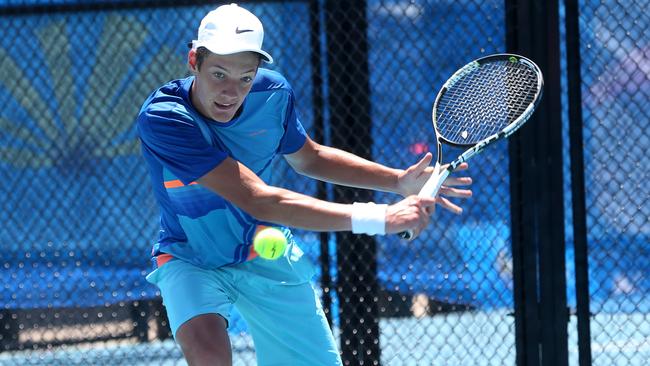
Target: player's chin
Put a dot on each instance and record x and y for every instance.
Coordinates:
(221, 116)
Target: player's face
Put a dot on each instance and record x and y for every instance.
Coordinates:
(222, 83)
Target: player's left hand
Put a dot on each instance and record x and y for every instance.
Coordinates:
(413, 178)
(448, 189)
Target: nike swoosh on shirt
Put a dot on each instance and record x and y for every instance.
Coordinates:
(238, 31)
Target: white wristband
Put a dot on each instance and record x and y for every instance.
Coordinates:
(368, 218)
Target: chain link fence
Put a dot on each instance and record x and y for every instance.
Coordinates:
(615, 53)
(79, 218)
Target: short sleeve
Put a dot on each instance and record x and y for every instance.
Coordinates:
(174, 140)
(295, 135)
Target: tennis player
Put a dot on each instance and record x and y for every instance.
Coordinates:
(208, 141)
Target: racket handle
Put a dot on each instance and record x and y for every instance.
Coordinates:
(429, 189)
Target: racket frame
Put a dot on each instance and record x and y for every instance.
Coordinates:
(433, 184)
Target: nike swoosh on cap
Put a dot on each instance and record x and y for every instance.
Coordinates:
(238, 31)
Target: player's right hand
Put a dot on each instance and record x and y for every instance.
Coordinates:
(411, 213)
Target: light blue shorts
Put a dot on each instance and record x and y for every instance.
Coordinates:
(276, 298)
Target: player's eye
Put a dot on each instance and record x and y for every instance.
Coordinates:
(247, 79)
(219, 75)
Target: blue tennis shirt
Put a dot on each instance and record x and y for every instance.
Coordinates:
(179, 146)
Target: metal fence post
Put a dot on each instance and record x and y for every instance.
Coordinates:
(347, 49)
(578, 181)
(537, 197)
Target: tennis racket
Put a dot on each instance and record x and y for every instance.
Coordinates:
(485, 101)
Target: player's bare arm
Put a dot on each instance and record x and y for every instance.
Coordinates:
(339, 167)
(239, 185)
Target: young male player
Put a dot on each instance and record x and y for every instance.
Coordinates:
(208, 141)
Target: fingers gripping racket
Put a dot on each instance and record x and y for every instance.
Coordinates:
(485, 101)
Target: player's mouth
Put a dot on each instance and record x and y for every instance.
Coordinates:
(225, 107)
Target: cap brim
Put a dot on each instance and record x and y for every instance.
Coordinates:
(221, 51)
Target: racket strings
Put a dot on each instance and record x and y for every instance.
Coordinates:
(485, 101)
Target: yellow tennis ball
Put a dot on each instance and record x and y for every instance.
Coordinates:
(270, 243)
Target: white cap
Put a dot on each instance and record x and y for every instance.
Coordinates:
(231, 29)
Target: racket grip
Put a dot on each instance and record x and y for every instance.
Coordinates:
(430, 189)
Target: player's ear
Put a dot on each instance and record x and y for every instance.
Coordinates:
(191, 61)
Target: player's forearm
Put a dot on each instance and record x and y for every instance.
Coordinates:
(293, 209)
(340, 167)
(240, 186)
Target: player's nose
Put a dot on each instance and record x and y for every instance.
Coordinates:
(230, 89)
